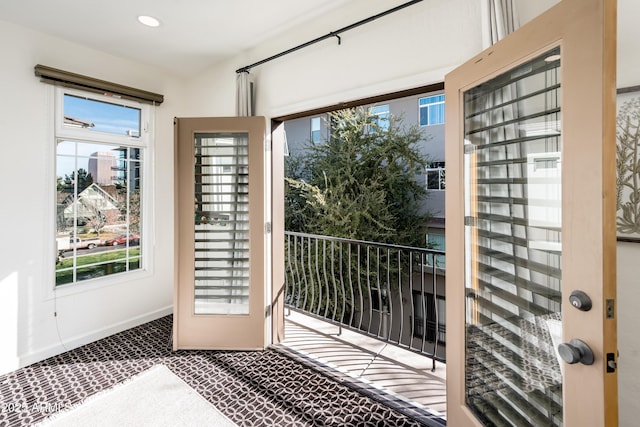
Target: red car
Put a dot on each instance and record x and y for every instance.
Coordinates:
(134, 239)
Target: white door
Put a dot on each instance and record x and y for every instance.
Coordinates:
(531, 240)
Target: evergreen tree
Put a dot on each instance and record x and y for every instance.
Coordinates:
(361, 182)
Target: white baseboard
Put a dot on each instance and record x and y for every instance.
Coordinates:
(70, 344)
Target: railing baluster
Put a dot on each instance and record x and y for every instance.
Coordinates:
(325, 287)
(295, 273)
(389, 297)
(423, 302)
(413, 309)
(361, 306)
(370, 299)
(400, 298)
(291, 291)
(334, 300)
(435, 311)
(381, 307)
(353, 296)
(313, 288)
(316, 309)
(342, 287)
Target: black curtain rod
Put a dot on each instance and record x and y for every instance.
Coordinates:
(335, 33)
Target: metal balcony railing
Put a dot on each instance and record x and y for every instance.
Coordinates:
(385, 291)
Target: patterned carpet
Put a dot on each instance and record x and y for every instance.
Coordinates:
(266, 388)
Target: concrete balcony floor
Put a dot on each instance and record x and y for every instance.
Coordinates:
(397, 376)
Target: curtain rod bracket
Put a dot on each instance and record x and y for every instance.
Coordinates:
(336, 35)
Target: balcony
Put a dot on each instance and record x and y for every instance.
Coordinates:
(358, 309)
(396, 377)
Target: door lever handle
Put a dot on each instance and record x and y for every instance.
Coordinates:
(576, 351)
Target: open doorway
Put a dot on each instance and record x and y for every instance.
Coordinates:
(364, 241)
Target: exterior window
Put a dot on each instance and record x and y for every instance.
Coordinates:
(423, 302)
(101, 147)
(435, 176)
(316, 136)
(431, 110)
(436, 241)
(380, 115)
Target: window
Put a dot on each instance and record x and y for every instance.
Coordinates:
(316, 136)
(431, 110)
(101, 148)
(380, 115)
(435, 176)
(435, 240)
(423, 302)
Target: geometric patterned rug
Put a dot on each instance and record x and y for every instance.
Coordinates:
(252, 388)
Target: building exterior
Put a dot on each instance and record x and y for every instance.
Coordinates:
(425, 110)
(101, 166)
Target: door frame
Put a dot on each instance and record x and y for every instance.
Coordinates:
(571, 24)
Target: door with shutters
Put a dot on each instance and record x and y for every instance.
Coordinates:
(219, 291)
(531, 240)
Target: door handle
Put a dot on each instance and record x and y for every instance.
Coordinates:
(576, 351)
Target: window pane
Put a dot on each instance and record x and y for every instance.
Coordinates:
(315, 129)
(424, 116)
(431, 110)
(101, 116)
(381, 115)
(436, 114)
(98, 210)
(513, 246)
(436, 241)
(221, 223)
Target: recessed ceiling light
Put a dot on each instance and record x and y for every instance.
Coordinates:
(149, 21)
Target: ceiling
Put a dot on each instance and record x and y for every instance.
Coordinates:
(193, 35)
(196, 34)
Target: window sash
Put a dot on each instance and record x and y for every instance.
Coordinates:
(431, 110)
(68, 132)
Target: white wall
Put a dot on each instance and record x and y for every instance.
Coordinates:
(27, 325)
(409, 48)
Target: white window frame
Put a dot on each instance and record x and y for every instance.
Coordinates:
(316, 121)
(441, 171)
(429, 106)
(382, 114)
(144, 142)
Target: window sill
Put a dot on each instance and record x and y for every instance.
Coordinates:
(66, 290)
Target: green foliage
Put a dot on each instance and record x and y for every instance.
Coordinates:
(84, 178)
(360, 183)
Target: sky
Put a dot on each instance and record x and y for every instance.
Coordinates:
(110, 118)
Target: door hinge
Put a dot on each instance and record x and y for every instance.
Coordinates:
(267, 227)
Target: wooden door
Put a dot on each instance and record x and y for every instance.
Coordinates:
(219, 297)
(530, 215)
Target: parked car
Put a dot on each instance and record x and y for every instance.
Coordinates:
(77, 243)
(133, 239)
